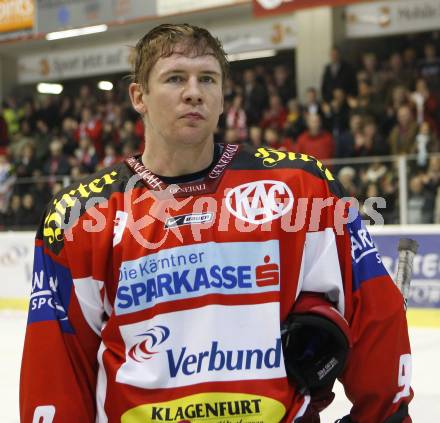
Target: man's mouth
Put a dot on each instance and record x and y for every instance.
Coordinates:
(193, 116)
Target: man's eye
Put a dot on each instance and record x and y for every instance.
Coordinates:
(175, 78)
(207, 78)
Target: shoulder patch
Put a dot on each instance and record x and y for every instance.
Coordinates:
(71, 202)
(265, 158)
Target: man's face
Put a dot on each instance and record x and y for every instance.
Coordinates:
(311, 96)
(314, 123)
(184, 99)
(404, 116)
(334, 55)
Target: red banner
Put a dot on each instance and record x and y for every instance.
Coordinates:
(275, 7)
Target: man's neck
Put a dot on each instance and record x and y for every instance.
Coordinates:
(165, 160)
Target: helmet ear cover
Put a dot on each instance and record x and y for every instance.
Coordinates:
(316, 342)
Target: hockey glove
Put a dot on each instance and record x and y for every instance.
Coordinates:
(316, 342)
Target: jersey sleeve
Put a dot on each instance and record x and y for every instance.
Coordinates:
(59, 363)
(341, 260)
(377, 379)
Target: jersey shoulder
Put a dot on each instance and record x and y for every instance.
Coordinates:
(71, 202)
(266, 159)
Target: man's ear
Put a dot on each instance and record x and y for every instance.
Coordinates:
(136, 96)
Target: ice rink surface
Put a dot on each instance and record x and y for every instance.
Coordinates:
(425, 408)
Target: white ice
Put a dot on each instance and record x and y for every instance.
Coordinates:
(425, 408)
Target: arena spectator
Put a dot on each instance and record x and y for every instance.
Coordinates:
(347, 178)
(312, 104)
(91, 126)
(388, 190)
(427, 104)
(284, 83)
(295, 123)
(410, 60)
(57, 163)
(431, 179)
(236, 117)
(368, 207)
(315, 141)
(230, 90)
(366, 103)
(337, 74)
(370, 71)
(255, 97)
(66, 110)
(85, 155)
(29, 113)
(12, 115)
(69, 128)
(429, 66)
(19, 139)
(43, 139)
(275, 115)
(7, 179)
(420, 202)
(77, 172)
(27, 215)
(396, 74)
(110, 157)
(345, 142)
(426, 142)
(4, 136)
(128, 150)
(336, 113)
(370, 142)
(41, 191)
(11, 219)
(255, 139)
(47, 110)
(273, 139)
(127, 134)
(231, 136)
(403, 135)
(25, 166)
(374, 172)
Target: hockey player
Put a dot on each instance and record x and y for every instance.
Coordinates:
(201, 283)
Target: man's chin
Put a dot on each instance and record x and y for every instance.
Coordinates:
(193, 136)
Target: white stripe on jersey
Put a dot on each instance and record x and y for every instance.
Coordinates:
(320, 270)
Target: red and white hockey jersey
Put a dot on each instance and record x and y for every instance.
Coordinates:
(162, 303)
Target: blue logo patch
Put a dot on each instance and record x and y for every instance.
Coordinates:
(366, 260)
(195, 270)
(51, 290)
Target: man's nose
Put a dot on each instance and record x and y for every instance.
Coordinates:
(192, 93)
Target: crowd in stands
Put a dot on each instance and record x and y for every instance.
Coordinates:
(381, 107)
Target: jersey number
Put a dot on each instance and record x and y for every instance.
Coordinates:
(46, 412)
(404, 379)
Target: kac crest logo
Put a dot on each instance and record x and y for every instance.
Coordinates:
(153, 337)
(260, 202)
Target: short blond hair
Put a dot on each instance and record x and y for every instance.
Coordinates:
(161, 41)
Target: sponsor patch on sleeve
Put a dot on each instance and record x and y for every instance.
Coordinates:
(51, 290)
(366, 260)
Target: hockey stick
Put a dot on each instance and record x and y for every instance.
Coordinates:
(407, 250)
